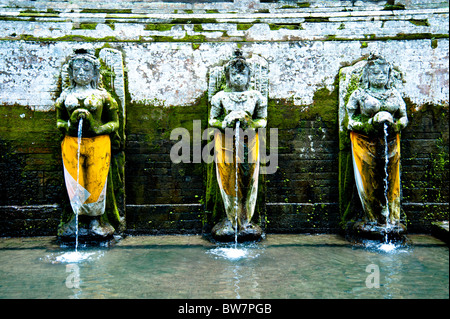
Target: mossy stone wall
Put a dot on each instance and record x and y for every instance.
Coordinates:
(168, 48)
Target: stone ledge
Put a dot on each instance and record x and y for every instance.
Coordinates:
(440, 230)
(30, 220)
(218, 27)
(219, 17)
(136, 6)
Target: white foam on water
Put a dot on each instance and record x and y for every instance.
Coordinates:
(73, 257)
(229, 253)
(387, 247)
(232, 252)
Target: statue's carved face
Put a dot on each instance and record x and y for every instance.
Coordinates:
(239, 79)
(83, 72)
(378, 75)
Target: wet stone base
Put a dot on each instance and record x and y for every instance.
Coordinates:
(359, 232)
(90, 232)
(225, 232)
(88, 240)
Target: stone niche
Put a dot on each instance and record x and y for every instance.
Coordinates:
(168, 48)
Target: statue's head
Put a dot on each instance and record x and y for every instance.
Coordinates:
(377, 73)
(84, 68)
(237, 72)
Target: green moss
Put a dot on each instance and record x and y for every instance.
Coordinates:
(420, 22)
(434, 43)
(110, 24)
(418, 36)
(76, 38)
(277, 110)
(365, 127)
(364, 44)
(243, 26)
(31, 13)
(352, 86)
(293, 26)
(106, 10)
(187, 38)
(394, 6)
(198, 28)
(438, 112)
(192, 20)
(318, 19)
(325, 106)
(303, 4)
(156, 121)
(160, 38)
(3, 18)
(158, 27)
(84, 26)
(341, 26)
(283, 114)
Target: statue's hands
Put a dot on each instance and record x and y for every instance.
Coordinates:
(88, 119)
(234, 116)
(75, 117)
(400, 124)
(382, 118)
(80, 114)
(356, 125)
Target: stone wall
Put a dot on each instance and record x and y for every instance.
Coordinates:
(168, 47)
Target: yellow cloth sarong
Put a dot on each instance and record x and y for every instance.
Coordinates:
(247, 175)
(369, 170)
(88, 196)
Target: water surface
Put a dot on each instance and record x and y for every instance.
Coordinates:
(281, 266)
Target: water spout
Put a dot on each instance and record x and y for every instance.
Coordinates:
(386, 212)
(77, 192)
(236, 203)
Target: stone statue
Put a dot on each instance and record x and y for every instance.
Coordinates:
(88, 117)
(234, 109)
(376, 115)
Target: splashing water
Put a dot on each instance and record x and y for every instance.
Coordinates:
(73, 257)
(387, 247)
(230, 253)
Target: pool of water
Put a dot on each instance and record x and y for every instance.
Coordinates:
(281, 266)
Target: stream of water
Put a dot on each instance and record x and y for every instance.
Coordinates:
(77, 192)
(236, 185)
(76, 256)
